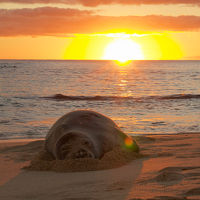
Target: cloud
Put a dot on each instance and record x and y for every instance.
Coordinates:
(92, 3)
(58, 21)
(136, 2)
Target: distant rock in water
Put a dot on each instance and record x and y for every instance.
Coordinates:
(7, 66)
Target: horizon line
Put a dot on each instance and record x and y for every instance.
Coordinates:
(24, 59)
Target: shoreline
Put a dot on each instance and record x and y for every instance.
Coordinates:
(7, 140)
(170, 169)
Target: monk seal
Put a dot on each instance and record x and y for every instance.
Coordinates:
(84, 134)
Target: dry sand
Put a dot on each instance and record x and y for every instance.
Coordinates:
(169, 170)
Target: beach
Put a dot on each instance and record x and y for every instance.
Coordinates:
(168, 169)
(99, 100)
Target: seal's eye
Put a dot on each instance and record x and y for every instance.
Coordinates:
(85, 143)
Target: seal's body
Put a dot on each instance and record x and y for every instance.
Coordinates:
(84, 133)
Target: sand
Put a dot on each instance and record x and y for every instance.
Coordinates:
(44, 161)
(168, 169)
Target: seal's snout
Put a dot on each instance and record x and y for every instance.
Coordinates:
(82, 153)
(74, 145)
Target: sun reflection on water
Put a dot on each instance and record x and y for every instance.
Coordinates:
(123, 81)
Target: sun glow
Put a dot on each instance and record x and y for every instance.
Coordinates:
(121, 47)
(123, 50)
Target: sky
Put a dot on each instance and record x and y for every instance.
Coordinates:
(100, 29)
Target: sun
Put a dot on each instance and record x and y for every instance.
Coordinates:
(123, 50)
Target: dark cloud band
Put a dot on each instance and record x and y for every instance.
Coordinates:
(51, 21)
(92, 3)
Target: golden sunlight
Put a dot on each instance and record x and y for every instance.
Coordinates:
(122, 50)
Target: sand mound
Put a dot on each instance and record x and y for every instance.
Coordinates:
(44, 161)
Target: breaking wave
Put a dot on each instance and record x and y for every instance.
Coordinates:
(62, 97)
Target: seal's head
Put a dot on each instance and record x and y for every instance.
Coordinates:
(74, 146)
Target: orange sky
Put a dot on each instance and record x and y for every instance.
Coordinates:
(86, 29)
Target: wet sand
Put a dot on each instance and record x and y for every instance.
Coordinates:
(168, 169)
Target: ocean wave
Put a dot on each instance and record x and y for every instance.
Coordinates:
(181, 96)
(62, 97)
(84, 98)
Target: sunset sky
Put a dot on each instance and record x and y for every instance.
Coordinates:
(94, 29)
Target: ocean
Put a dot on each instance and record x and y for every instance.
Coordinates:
(143, 97)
